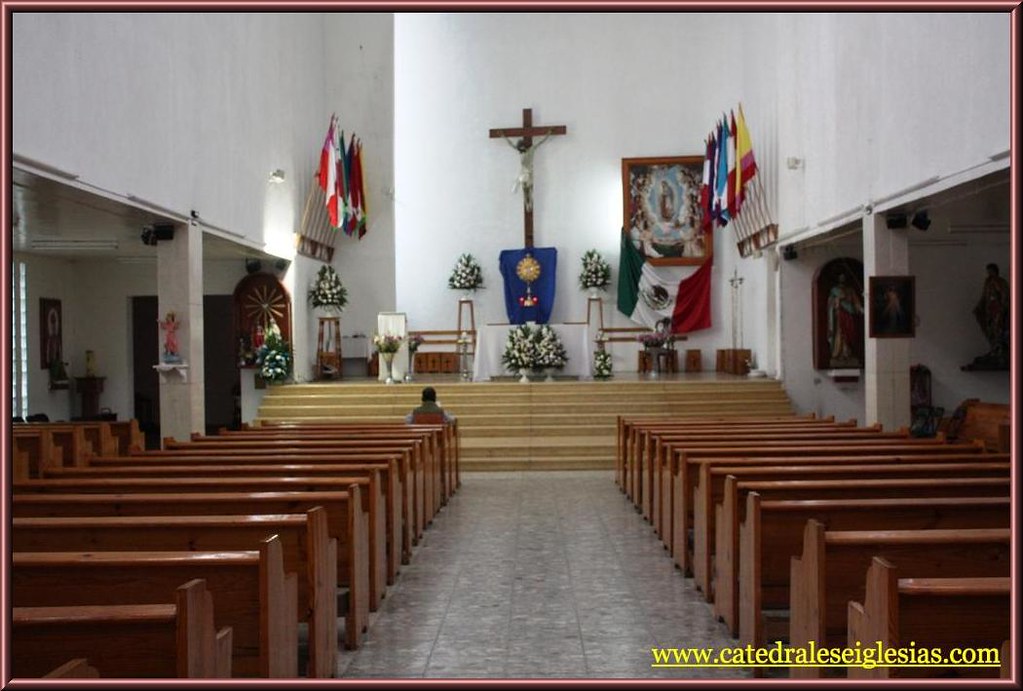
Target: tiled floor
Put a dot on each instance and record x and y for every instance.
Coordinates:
(530, 575)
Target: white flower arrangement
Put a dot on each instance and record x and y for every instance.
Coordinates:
(596, 272)
(274, 358)
(520, 349)
(328, 291)
(602, 365)
(467, 274)
(550, 352)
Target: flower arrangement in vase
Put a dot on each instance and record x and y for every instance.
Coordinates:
(655, 339)
(328, 291)
(520, 351)
(387, 345)
(467, 274)
(550, 351)
(596, 272)
(602, 365)
(274, 356)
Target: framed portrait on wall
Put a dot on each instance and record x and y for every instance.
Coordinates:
(51, 327)
(661, 209)
(892, 306)
(838, 314)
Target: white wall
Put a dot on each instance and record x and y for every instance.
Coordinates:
(626, 85)
(877, 103)
(188, 111)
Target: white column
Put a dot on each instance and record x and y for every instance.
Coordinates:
(179, 288)
(885, 253)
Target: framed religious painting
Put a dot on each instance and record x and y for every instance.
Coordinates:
(661, 209)
(51, 329)
(892, 306)
(838, 315)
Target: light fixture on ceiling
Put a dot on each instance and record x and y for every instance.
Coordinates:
(66, 245)
(277, 176)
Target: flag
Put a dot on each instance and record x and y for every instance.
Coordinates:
(706, 189)
(733, 207)
(647, 295)
(747, 165)
(721, 196)
(330, 187)
(326, 155)
(343, 183)
(363, 207)
(350, 220)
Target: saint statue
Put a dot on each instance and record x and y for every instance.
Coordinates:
(845, 309)
(525, 178)
(170, 327)
(992, 313)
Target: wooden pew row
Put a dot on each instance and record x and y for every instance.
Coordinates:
(38, 446)
(136, 641)
(650, 441)
(435, 450)
(418, 448)
(942, 613)
(307, 551)
(832, 570)
(772, 533)
(372, 494)
(166, 467)
(686, 464)
(395, 465)
(710, 489)
(346, 521)
(657, 473)
(253, 594)
(629, 424)
(634, 443)
(451, 436)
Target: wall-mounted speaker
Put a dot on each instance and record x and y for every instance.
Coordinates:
(921, 221)
(788, 252)
(163, 231)
(253, 265)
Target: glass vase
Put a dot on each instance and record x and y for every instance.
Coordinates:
(388, 358)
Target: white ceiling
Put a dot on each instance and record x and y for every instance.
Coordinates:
(43, 208)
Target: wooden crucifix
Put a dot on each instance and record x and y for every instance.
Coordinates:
(526, 148)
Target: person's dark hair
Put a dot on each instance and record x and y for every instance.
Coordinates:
(429, 394)
(993, 267)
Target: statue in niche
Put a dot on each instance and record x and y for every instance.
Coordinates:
(992, 314)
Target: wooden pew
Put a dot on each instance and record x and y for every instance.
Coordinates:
(987, 422)
(403, 487)
(307, 551)
(178, 639)
(942, 613)
(658, 470)
(253, 594)
(832, 570)
(684, 472)
(78, 668)
(710, 489)
(128, 435)
(373, 500)
(346, 521)
(418, 469)
(773, 530)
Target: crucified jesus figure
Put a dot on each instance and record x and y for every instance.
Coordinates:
(525, 178)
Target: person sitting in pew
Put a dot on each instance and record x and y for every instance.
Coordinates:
(428, 406)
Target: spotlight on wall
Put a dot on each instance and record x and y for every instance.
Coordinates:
(164, 231)
(281, 265)
(921, 221)
(894, 221)
(788, 252)
(253, 265)
(277, 176)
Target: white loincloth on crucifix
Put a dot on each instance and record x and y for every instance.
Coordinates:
(529, 272)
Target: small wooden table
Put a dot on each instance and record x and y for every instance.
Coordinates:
(90, 388)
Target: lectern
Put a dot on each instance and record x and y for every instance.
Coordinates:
(90, 388)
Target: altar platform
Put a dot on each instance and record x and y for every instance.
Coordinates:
(508, 425)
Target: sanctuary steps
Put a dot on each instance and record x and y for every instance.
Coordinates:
(535, 426)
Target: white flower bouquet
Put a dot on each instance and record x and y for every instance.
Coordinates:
(520, 349)
(602, 365)
(550, 351)
(328, 291)
(467, 274)
(596, 272)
